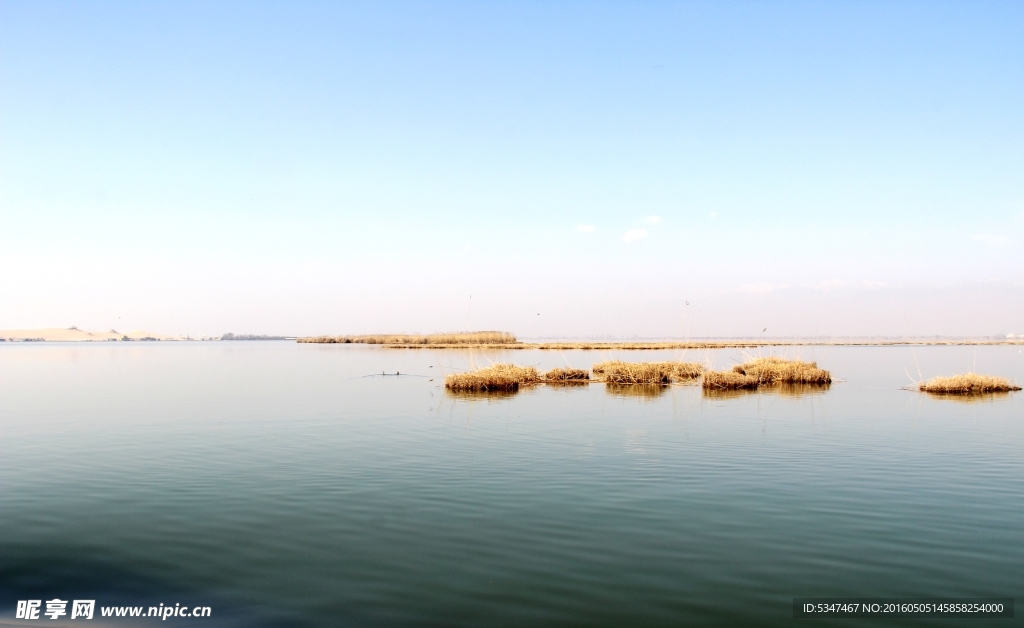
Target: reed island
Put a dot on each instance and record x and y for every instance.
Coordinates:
(748, 376)
(967, 384)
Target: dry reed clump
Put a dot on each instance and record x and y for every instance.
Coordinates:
(494, 377)
(618, 372)
(325, 339)
(766, 372)
(729, 380)
(967, 384)
(681, 371)
(566, 375)
(454, 338)
(776, 370)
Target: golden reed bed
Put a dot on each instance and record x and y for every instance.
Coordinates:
(619, 372)
(566, 375)
(750, 375)
(495, 377)
(775, 370)
(729, 380)
(510, 377)
(767, 372)
(967, 384)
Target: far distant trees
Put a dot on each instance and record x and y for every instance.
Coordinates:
(230, 336)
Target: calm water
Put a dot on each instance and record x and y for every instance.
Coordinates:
(285, 484)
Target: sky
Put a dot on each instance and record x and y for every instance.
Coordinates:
(553, 169)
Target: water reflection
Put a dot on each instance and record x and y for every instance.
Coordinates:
(478, 395)
(978, 398)
(783, 390)
(636, 391)
(569, 383)
(497, 395)
(275, 483)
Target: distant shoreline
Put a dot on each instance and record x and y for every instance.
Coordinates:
(730, 343)
(507, 341)
(73, 334)
(596, 346)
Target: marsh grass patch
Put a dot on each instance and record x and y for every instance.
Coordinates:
(771, 371)
(662, 373)
(566, 375)
(729, 380)
(506, 377)
(775, 370)
(967, 384)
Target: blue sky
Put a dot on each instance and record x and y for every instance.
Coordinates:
(579, 168)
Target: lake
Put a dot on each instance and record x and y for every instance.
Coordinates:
(286, 484)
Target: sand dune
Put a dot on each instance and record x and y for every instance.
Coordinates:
(78, 335)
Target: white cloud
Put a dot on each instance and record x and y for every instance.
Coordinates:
(873, 284)
(713, 215)
(634, 234)
(989, 239)
(653, 220)
(586, 228)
